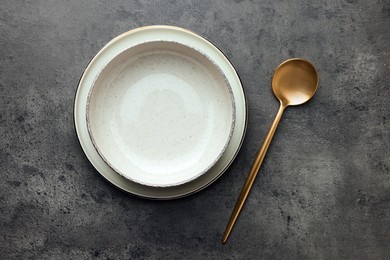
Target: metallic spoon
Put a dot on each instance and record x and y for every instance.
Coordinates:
(294, 82)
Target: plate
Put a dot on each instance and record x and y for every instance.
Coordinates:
(160, 113)
(132, 38)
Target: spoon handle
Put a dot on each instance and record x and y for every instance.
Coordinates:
(252, 174)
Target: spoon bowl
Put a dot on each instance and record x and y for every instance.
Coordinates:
(294, 82)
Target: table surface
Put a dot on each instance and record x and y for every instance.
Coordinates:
(323, 191)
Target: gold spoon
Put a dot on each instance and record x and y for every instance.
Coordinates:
(294, 82)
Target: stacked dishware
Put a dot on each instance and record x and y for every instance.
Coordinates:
(160, 112)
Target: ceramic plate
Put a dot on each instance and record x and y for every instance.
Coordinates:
(160, 113)
(150, 34)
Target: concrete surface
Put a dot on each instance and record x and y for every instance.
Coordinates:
(323, 191)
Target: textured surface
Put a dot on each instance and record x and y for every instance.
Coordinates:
(324, 188)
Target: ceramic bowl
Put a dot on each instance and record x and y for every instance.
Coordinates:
(160, 113)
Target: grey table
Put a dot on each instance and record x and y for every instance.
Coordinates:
(324, 188)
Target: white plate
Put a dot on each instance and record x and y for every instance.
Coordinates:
(160, 113)
(132, 38)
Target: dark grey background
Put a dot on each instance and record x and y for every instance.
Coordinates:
(324, 188)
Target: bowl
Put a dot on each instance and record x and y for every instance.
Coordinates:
(160, 113)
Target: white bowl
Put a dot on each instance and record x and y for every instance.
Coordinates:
(160, 113)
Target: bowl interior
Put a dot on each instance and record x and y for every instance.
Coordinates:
(160, 113)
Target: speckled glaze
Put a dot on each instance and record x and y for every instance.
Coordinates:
(160, 113)
(122, 43)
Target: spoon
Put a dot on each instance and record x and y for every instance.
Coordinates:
(294, 82)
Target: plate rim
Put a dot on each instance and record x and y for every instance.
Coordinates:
(244, 100)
